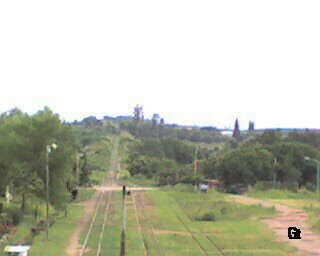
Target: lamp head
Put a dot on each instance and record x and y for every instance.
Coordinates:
(307, 158)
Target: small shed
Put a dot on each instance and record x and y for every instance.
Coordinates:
(19, 250)
(203, 188)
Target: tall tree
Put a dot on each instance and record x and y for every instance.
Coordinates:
(236, 130)
(23, 154)
(138, 118)
(251, 126)
(155, 121)
(138, 113)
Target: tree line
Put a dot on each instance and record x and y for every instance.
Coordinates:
(23, 144)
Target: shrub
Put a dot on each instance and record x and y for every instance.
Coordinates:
(310, 186)
(223, 210)
(208, 216)
(125, 174)
(5, 219)
(4, 229)
(16, 215)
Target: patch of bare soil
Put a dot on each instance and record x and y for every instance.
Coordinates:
(89, 209)
(309, 244)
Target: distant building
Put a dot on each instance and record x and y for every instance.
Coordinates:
(227, 133)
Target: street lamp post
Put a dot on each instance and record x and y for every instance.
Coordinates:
(48, 151)
(318, 171)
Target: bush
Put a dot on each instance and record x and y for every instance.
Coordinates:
(310, 186)
(208, 216)
(223, 210)
(16, 215)
(5, 219)
(125, 174)
(4, 229)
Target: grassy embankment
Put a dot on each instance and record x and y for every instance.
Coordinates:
(305, 200)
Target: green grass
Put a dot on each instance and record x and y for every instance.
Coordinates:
(304, 199)
(140, 180)
(111, 236)
(60, 234)
(284, 194)
(97, 177)
(219, 205)
(85, 194)
(61, 231)
(238, 232)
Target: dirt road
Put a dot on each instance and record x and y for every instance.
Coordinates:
(309, 244)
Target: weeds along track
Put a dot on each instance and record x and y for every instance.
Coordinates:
(92, 244)
(84, 246)
(189, 231)
(147, 229)
(104, 223)
(198, 227)
(144, 242)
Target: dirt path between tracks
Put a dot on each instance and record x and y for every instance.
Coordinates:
(309, 244)
(89, 209)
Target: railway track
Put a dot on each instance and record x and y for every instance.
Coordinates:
(85, 243)
(144, 242)
(190, 232)
(199, 228)
(102, 209)
(104, 223)
(139, 202)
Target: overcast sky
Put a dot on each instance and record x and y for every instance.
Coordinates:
(193, 62)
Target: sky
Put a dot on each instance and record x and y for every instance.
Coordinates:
(193, 62)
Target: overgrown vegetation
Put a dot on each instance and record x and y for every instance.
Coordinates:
(240, 232)
(214, 206)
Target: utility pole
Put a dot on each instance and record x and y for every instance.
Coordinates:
(48, 151)
(47, 190)
(78, 174)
